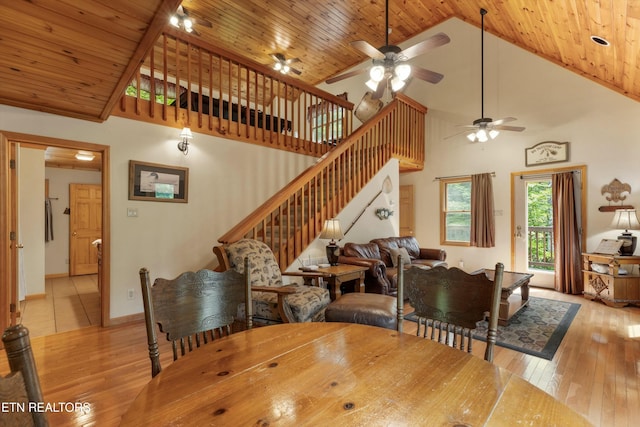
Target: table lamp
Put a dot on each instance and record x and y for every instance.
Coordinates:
(332, 231)
(626, 219)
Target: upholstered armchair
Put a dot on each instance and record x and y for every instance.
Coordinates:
(273, 302)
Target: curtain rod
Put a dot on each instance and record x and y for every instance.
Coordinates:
(438, 178)
(548, 175)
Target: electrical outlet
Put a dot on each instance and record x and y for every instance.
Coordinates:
(132, 212)
(130, 293)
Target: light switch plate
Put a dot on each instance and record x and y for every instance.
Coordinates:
(131, 212)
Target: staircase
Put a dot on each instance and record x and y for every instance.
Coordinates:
(184, 82)
(293, 217)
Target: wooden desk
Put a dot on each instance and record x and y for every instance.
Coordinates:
(336, 275)
(339, 374)
(511, 304)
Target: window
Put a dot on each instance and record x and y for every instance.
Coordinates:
(326, 122)
(455, 215)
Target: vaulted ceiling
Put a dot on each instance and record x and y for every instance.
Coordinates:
(75, 58)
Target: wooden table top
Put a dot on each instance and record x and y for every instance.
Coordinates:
(338, 270)
(339, 374)
(510, 279)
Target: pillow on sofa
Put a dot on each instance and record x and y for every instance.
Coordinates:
(406, 259)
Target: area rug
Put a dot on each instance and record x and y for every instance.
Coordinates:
(537, 330)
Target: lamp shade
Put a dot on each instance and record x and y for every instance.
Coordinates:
(625, 219)
(331, 230)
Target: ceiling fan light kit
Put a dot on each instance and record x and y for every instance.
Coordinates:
(389, 69)
(486, 128)
(282, 64)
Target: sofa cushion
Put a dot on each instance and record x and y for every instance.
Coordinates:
(402, 252)
(385, 245)
(429, 262)
(365, 309)
(361, 250)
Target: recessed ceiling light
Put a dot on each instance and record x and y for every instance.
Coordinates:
(85, 157)
(599, 40)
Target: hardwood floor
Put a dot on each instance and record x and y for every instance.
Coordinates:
(595, 371)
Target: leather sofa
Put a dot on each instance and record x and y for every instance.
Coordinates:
(381, 276)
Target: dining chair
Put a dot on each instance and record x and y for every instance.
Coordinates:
(448, 304)
(193, 309)
(22, 385)
(273, 302)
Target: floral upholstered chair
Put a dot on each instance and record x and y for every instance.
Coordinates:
(273, 302)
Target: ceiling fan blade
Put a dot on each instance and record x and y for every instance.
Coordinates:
(367, 49)
(426, 75)
(195, 17)
(379, 90)
(504, 120)
(293, 60)
(456, 134)
(295, 71)
(512, 128)
(426, 45)
(275, 57)
(345, 75)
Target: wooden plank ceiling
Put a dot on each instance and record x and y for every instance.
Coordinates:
(74, 58)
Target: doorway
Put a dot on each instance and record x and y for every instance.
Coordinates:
(8, 149)
(532, 245)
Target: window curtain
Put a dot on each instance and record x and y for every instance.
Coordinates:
(483, 226)
(568, 273)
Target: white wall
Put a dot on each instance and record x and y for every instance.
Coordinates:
(553, 104)
(31, 221)
(57, 250)
(227, 180)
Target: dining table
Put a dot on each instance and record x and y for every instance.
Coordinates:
(339, 374)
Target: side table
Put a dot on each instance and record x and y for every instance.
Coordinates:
(336, 275)
(608, 285)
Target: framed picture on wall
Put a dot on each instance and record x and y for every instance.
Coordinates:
(158, 183)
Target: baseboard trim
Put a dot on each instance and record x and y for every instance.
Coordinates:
(56, 276)
(116, 321)
(34, 296)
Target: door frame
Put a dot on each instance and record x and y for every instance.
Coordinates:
(583, 208)
(8, 217)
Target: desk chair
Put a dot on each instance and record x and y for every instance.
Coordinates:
(22, 385)
(194, 307)
(449, 303)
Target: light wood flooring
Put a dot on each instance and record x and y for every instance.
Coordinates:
(69, 303)
(595, 371)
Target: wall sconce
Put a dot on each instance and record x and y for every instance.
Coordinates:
(383, 213)
(183, 145)
(332, 231)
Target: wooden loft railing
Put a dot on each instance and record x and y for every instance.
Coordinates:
(211, 91)
(292, 218)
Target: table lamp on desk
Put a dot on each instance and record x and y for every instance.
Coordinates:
(333, 232)
(626, 219)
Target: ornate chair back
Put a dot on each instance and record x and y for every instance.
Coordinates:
(22, 385)
(193, 309)
(449, 302)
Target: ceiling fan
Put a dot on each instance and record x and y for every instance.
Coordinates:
(389, 62)
(485, 127)
(183, 19)
(283, 64)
